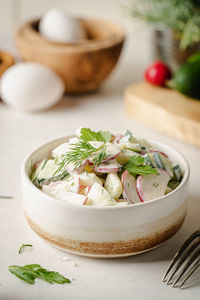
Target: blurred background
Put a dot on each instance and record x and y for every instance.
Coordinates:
(15, 12)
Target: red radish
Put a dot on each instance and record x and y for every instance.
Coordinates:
(154, 151)
(158, 73)
(152, 186)
(108, 167)
(87, 189)
(84, 203)
(129, 188)
(117, 138)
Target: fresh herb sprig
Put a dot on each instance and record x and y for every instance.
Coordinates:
(23, 246)
(181, 16)
(29, 273)
(135, 166)
(88, 135)
(81, 151)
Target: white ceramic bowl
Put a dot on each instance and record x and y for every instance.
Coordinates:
(104, 231)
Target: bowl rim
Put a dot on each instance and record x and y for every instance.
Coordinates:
(85, 45)
(24, 176)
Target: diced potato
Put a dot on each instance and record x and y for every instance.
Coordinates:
(62, 149)
(99, 196)
(88, 179)
(113, 185)
(60, 191)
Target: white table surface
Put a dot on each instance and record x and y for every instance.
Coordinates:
(137, 277)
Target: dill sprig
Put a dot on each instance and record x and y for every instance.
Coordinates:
(79, 152)
(100, 156)
(23, 246)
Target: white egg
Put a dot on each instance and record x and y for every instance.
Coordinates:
(30, 87)
(55, 25)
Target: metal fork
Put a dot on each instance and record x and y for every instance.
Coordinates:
(185, 262)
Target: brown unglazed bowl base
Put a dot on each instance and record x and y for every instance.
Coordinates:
(109, 249)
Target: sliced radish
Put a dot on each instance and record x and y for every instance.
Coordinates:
(153, 151)
(129, 188)
(108, 167)
(85, 190)
(117, 138)
(152, 186)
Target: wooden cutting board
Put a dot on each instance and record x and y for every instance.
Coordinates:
(164, 110)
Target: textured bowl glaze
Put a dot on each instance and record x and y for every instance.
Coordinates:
(104, 231)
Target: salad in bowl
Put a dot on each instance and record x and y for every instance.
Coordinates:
(98, 168)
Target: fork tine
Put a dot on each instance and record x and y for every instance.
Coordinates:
(180, 251)
(183, 258)
(192, 270)
(187, 265)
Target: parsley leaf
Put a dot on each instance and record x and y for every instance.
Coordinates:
(88, 135)
(28, 273)
(135, 166)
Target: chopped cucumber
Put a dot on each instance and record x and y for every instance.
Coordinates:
(147, 160)
(41, 166)
(158, 161)
(127, 137)
(45, 181)
(173, 184)
(153, 163)
(177, 172)
(167, 165)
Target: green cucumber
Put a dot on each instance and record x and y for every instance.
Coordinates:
(158, 161)
(153, 163)
(177, 173)
(45, 181)
(186, 79)
(147, 160)
(41, 166)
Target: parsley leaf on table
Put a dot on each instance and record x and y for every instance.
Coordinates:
(29, 273)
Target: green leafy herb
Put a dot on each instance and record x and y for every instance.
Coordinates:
(135, 166)
(181, 16)
(23, 246)
(29, 273)
(6, 197)
(88, 135)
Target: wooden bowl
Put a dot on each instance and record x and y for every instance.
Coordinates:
(6, 61)
(83, 66)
